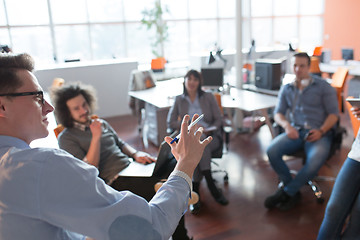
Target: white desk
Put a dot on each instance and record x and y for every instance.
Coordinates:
(159, 99)
(251, 102)
(161, 96)
(353, 66)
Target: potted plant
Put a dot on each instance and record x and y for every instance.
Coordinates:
(153, 19)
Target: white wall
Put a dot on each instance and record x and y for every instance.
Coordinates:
(110, 79)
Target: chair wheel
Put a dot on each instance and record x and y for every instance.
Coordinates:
(320, 200)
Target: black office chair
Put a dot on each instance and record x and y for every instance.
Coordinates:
(226, 129)
(218, 154)
(339, 132)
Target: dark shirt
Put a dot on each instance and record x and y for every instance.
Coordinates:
(112, 160)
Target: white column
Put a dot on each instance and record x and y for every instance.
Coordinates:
(238, 56)
(238, 117)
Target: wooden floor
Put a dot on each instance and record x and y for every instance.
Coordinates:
(251, 180)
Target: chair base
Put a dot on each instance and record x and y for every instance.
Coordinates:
(226, 176)
(313, 185)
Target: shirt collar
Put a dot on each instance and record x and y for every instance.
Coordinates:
(311, 82)
(188, 98)
(7, 141)
(81, 126)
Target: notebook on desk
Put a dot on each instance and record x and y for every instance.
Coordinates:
(157, 168)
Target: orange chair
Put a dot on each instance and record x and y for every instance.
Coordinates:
(355, 123)
(227, 124)
(58, 82)
(338, 82)
(315, 65)
(218, 100)
(317, 51)
(59, 128)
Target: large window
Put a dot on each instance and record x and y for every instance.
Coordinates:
(59, 30)
(280, 22)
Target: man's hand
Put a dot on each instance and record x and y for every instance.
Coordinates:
(356, 112)
(291, 132)
(143, 157)
(189, 149)
(314, 135)
(95, 128)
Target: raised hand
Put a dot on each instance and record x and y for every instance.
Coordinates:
(189, 149)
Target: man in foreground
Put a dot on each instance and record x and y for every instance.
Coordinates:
(96, 142)
(49, 194)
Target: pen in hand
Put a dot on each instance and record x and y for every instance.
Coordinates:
(191, 124)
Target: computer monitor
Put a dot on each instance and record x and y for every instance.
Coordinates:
(269, 73)
(347, 54)
(325, 56)
(213, 77)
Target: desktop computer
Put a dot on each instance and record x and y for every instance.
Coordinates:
(212, 77)
(269, 73)
(325, 56)
(347, 54)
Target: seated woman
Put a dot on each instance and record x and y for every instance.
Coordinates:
(195, 100)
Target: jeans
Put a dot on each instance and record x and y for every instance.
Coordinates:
(316, 154)
(344, 200)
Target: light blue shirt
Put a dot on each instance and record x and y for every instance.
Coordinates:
(194, 107)
(49, 194)
(310, 107)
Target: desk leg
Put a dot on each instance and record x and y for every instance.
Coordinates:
(145, 128)
(268, 122)
(238, 119)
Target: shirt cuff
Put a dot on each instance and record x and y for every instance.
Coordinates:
(184, 176)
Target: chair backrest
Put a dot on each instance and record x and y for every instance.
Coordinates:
(58, 82)
(338, 82)
(339, 77)
(355, 123)
(219, 152)
(317, 51)
(315, 65)
(141, 80)
(337, 139)
(59, 128)
(218, 100)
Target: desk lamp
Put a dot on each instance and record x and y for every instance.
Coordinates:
(219, 55)
(211, 58)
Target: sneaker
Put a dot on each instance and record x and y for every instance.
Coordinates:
(279, 197)
(222, 200)
(195, 208)
(290, 203)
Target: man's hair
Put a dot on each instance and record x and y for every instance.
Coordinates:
(60, 95)
(196, 75)
(9, 65)
(303, 55)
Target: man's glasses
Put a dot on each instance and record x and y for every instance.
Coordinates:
(39, 94)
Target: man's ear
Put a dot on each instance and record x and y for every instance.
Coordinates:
(2, 108)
